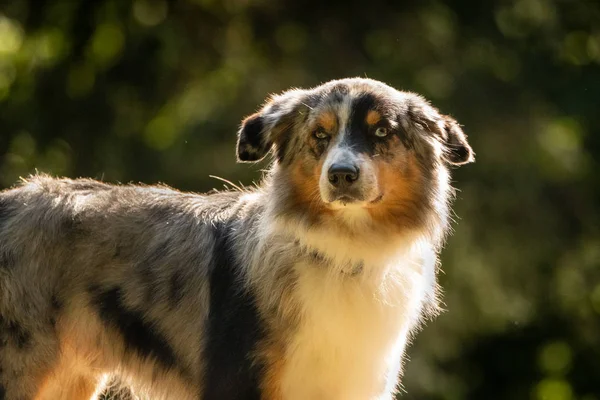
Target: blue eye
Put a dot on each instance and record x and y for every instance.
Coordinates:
(381, 132)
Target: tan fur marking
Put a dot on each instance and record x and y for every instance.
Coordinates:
(373, 117)
(72, 388)
(68, 380)
(71, 378)
(400, 182)
(327, 120)
(306, 188)
(271, 384)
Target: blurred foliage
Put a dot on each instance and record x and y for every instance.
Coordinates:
(153, 90)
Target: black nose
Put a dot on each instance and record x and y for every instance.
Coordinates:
(342, 174)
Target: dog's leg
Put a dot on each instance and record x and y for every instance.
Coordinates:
(68, 380)
(36, 362)
(27, 357)
(74, 388)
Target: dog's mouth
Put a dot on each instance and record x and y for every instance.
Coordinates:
(377, 199)
(346, 200)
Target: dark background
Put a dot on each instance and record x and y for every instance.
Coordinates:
(153, 91)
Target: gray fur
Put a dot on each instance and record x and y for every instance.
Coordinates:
(86, 233)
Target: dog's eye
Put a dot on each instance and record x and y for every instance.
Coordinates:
(381, 132)
(320, 134)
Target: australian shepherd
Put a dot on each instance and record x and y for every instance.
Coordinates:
(307, 286)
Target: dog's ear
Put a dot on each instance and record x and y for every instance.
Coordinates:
(251, 144)
(445, 129)
(457, 150)
(260, 131)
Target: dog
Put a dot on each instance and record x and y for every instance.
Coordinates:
(307, 286)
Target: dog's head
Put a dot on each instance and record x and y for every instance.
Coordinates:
(357, 146)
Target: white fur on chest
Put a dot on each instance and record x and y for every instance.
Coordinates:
(353, 329)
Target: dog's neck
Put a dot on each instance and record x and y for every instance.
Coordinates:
(371, 262)
(339, 249)
(351, 267)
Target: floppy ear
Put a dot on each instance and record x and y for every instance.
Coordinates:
(251, 146)
(261, 131)
(457, 150)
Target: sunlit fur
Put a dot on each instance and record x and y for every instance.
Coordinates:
(291, 290)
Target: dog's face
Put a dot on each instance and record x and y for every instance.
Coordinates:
(356, 145)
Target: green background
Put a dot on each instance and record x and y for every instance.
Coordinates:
(153, 91)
